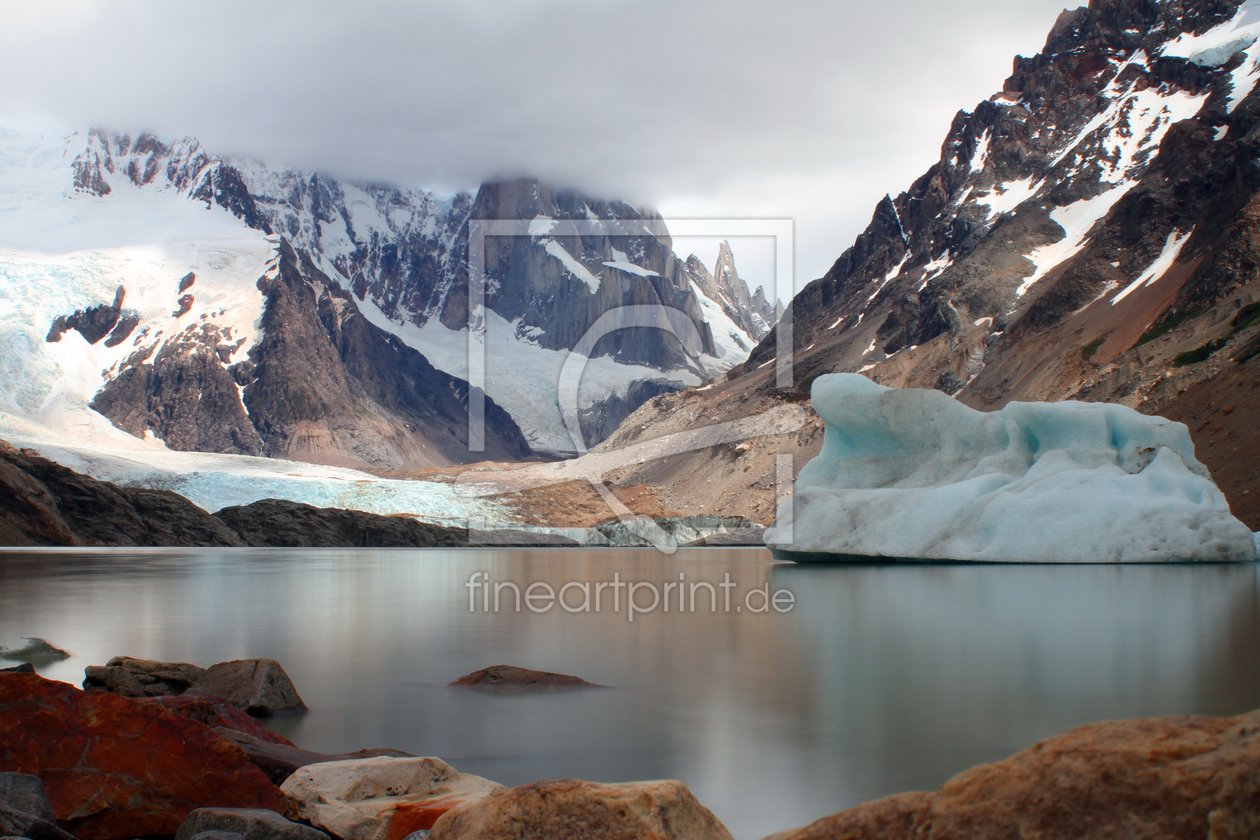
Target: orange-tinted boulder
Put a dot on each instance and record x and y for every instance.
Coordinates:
(215, 711)
(116, 768)
(1157, 778)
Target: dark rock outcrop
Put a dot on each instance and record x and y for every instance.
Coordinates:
(279, 523)
(44, 503)
(94, 323)
(257, 686)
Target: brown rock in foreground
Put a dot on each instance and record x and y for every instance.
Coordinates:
(1163, 778)
(257, 686)
(572, 810)
(510, 676)
(117, 768)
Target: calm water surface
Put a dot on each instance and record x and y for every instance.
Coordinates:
(879, 680)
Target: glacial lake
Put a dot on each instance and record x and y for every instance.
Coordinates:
(877, 680)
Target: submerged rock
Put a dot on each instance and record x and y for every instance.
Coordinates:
(1159, 778)
(914, 474)
(115, 768)
(380, 798)
(574, 810)
(510, 676)
(34, 651)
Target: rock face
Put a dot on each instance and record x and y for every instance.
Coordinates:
(83, 745)
(44, 503)
(380, 798)
(574, 810)
(373, 266)
(509, 676)
(913, 474)
(279, 759)
(1159, 778)
(323, 384)
(257, 686)
(1092, 232)
(283, 524)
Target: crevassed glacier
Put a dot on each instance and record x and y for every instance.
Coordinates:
(914, 474)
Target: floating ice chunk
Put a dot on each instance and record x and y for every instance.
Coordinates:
(913, 474)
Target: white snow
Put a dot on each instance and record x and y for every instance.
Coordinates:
(1220, 43)
(1077, 220)
(541, 225)
(908, 473)
(61, 251)
(213, 481)
(631, 268)
(574, 267)
(935, 268)
(1221, 132)
(1006, 196)
(981, 155)
(732, 343)
(522, 377)
(1157, 269)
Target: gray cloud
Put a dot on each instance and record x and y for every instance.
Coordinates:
(798, 109)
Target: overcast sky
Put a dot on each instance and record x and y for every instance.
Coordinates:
(796, 109)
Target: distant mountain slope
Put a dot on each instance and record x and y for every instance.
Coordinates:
(1090, 232)
(373, 290)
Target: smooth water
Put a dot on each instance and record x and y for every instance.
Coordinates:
(878, 680)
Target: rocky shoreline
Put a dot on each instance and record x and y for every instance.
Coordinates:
(149, 751)
(45, 504)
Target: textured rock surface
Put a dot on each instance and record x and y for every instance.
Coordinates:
(133, 677)
(115, 768)
(510, 676)
(1158, 778)
(574, 810)
(322, 385)
(284, 524)
(221, 716)
(279, 759)
(249, 823)
(257, 686)
(380, 798)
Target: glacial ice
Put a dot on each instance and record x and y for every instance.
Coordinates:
(913, 474)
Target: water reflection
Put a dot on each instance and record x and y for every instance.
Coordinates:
(881, 679)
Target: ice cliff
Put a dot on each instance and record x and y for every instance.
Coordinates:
(914, 474)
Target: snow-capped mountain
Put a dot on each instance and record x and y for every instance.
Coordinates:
(219, 305)
(1091, 231)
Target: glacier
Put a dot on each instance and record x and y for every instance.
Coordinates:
(908, 474)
